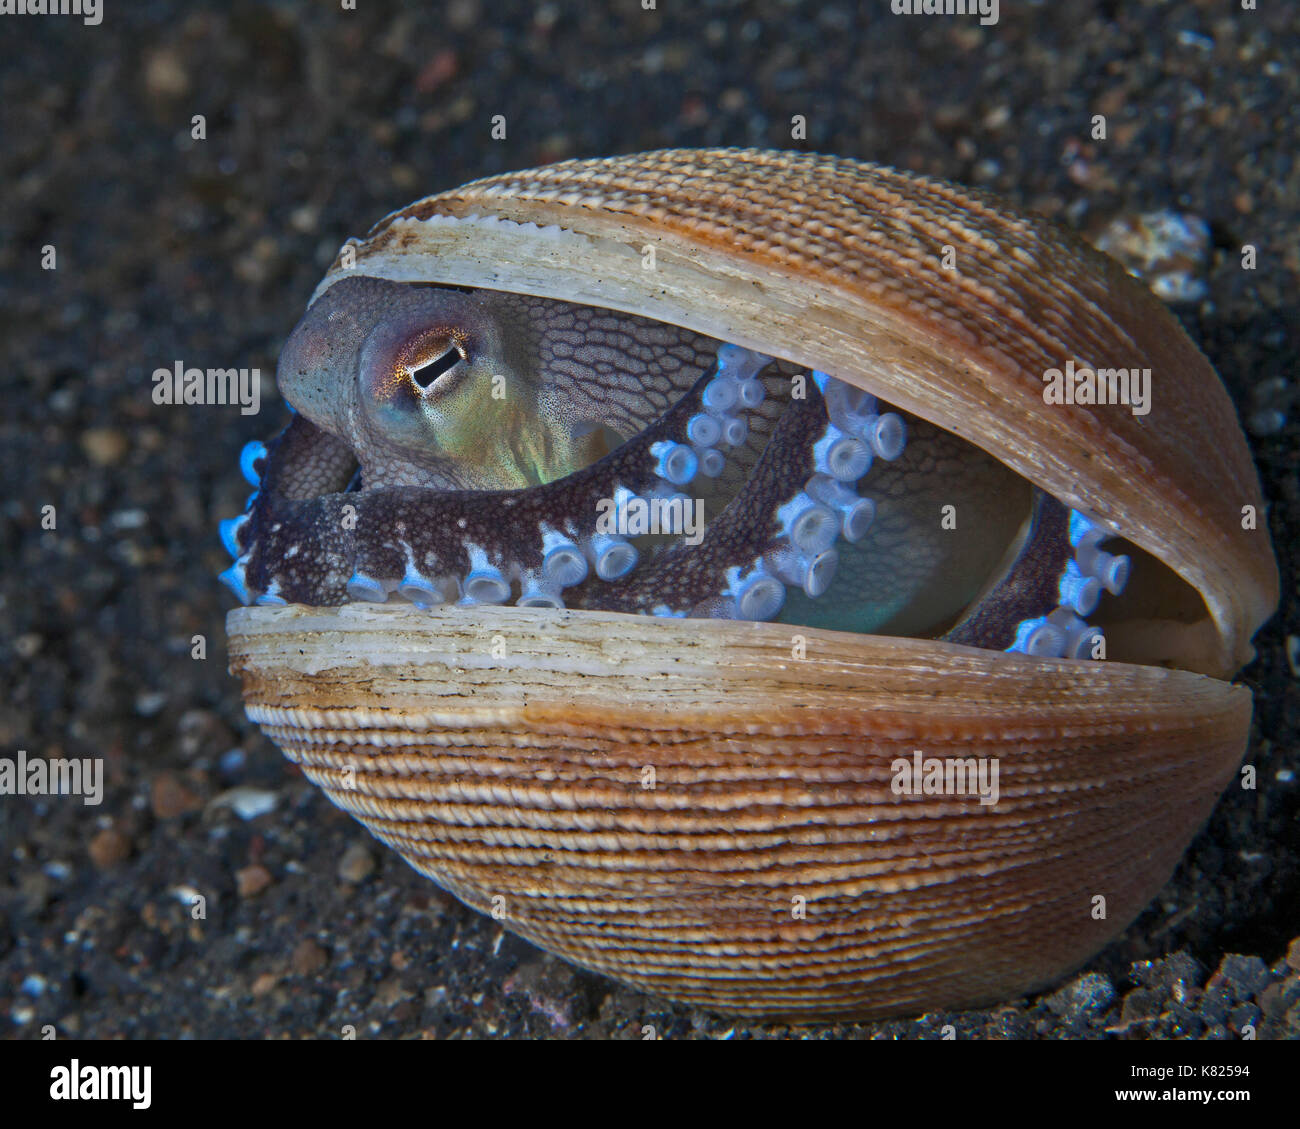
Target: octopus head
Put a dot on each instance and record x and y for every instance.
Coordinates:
(429, 386)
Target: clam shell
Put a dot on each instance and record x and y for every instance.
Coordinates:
(685, 804)
(507, 753)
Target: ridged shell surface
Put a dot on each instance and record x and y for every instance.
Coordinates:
(702, 815)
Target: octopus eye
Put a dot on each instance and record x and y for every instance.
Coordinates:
(435, 360)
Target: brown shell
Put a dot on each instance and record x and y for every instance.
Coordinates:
(770, 869)
(523, 775)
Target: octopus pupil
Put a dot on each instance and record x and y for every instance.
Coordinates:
(425, 375)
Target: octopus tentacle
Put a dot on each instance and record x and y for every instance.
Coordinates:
(822, 503)
(714, 577)
(368, 544)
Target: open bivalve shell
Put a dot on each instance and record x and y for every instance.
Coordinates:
(659, 757)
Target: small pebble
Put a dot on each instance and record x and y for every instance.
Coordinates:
(1266, 421)
(1242, 976)
(128, 519)
(148, 703)
(1090, 993)
(247, 802)
(252, 880)
(28, 645)
(201, 731)
(170, 798)
(265, 983)
(104, 446)
(232, 762)
(34, 985)
(1176, 972)
(187, 895)
(165, 75)
(356, 864)
(1141, 1003)
(308, 957)
(391, 991)
(1278, 997)
(109, 848)
(1189, 38)
(1167, 248)
(305, 218)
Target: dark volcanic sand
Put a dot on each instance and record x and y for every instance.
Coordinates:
(320, 121)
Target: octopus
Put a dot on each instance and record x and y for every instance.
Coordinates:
(472, 446)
